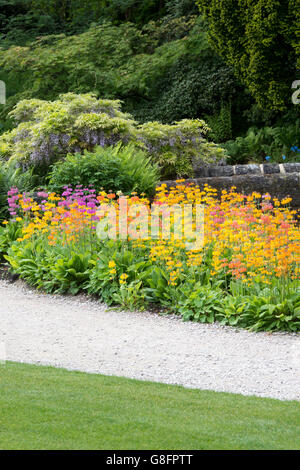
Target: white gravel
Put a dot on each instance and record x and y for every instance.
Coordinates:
(79, 334)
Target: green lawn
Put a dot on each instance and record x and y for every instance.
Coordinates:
(48, 408)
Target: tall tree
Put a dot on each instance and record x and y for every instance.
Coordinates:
(260, 39)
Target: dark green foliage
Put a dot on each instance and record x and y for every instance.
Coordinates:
(178, 8)
(273, 142)
(192, 87)
(260, 39)
(166, 72)
(221, 124)
(21, 21)
(199, 303)
(125, 169)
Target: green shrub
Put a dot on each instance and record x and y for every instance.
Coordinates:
(8, 235)
(201, 303)
(106, 286)
(220, 124)
(174, 146)
(255, 146)
(118, 168)
(261, 312)
(267, 141)
(57, 270)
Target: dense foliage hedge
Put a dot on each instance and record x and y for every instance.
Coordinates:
(114, 169)
(260, 39)
(276, 144)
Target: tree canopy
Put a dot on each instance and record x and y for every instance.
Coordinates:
(260, 39)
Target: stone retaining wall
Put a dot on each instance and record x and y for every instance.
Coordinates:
(204, 171)
(279, 180)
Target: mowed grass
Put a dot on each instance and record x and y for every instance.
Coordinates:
(48, 408)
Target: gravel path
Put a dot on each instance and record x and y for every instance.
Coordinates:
(80, 334)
